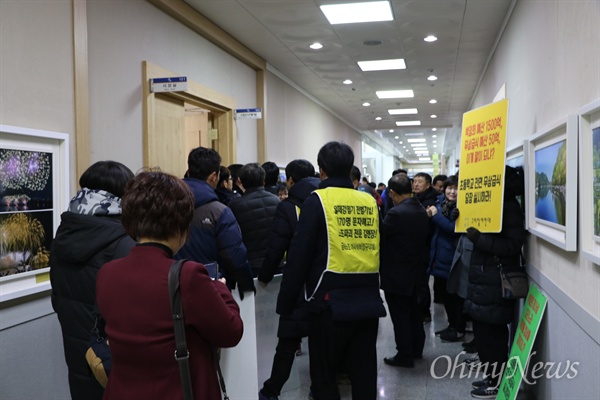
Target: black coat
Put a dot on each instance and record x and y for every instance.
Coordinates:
(403, 246)
(484, 300)
(282, 232)
(82, 245)
(254, 212)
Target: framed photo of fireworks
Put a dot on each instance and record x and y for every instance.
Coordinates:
(589, 184)
(551, 183)
(34, 189)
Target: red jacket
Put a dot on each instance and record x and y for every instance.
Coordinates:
(133, 297)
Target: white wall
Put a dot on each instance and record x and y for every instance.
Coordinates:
(297, 127)
(549, 58)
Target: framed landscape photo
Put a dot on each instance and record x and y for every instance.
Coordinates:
(589, 180)
(34, 189)
(551, 197)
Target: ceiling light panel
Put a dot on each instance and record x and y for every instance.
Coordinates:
(416, 140)
(382, 65)
(402, 111)
(408, 123)
(395, 94)
(371, 11)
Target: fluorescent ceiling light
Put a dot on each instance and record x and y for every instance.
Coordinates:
(432, 78)
(391, 130)
(366, 104)
(395, 137)
(434, 129)
(347, 82)
(430, 38)
(382, 65)
(424, 158)
(433, 136)
(316, 46)
(400, 142)
(434, 145)
(414, 134)
(432, 101)
(408, 123)
(403, 111)
(433, 116)
(377, 118)
(395, 94)
(372, 11)
(416, 140)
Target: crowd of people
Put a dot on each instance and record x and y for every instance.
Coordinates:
(338, 242)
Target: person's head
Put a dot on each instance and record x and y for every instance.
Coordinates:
(421, 182)
(335, 160)
(297, 170)
(252, 175)
(203, 164)
(225, 180)
(282, 191)
(372, 184)
(234, 169)
(438, 183)
(399, 171)
(399, 188)
(514, 181)
(450, 188)
(355, 176)
(157, 207)
(365, 180)
(381, 186)
(111, 176)
(271, 173)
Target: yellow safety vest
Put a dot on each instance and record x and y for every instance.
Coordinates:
(352, 222)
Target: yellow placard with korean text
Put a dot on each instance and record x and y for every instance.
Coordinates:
(481, 174)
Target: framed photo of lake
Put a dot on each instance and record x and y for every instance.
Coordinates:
(34, 189)
(589, 183)
(551, 184)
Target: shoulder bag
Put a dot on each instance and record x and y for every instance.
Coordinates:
(182, 354)
(515, 283)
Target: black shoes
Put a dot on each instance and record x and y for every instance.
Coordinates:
(469, 346)
(452, 335)
(399, 362)
(447, 329)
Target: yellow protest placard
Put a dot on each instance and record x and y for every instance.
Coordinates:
(481, 174)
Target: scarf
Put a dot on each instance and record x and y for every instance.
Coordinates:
(447, 207)
(95, 202)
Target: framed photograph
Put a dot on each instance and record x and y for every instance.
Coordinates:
(34, 189)
(589, 183)
(515, 157)
(551, 197)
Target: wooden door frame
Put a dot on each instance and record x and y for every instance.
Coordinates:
(220, 105)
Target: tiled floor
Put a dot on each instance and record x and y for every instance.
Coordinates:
(408, 384)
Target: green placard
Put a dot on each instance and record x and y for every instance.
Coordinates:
(531, 316)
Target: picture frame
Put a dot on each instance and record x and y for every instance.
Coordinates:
(589, 184)
(515, 157)
(34, 190)
(551, 197)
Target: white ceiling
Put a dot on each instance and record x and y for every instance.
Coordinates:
(280, 32)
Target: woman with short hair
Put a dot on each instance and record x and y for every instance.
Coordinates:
(133, 297)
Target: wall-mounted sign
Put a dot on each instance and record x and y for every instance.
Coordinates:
(173, 84)
(248, 113)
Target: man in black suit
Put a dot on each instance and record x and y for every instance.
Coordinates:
(403, 249)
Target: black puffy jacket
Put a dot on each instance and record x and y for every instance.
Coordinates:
(254, 212)
(484, 300)
(82, 245)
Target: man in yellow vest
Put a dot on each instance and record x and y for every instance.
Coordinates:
(334, 258)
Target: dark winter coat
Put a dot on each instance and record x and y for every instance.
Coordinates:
(225, 195)
(82, 245)
(307, 259)
(254, 212)
(284, 226)
(133, 297)
(443, 242)
(484, 300)
(215, 236)
(403, 247)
